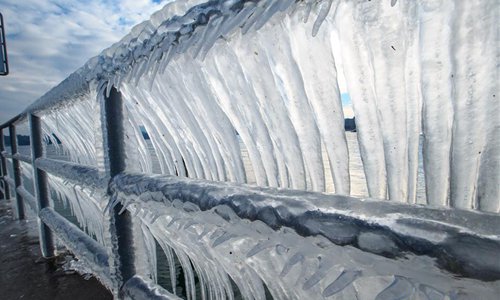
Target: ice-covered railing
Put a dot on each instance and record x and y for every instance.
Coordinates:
(214, 83)
(282, 100)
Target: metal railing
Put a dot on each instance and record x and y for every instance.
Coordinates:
(448, 235)
(310, 214)
(129, 285)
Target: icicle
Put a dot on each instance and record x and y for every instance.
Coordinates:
(315, 60)
(413, 98)
(323, 13)
(254, 17)
(437, 92)
(359, 77)
(291, 86)
(475, 62)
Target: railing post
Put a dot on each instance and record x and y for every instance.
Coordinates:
(113, 145)
(41, 185)
(17, 172)
(3, 168)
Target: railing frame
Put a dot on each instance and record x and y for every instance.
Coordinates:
(17, 173)
(3, 169)
(120, 224)
(127, 284)
(41, 185)
(113, 143)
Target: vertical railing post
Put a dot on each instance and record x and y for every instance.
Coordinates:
(113, 145)
(41, 185)
(17, 172)
(3, 168)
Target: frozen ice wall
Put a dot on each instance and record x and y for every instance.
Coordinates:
(261, 77)
(210, 81)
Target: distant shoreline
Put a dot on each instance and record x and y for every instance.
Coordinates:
(24, 140)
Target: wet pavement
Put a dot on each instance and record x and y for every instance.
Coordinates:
(24, 275)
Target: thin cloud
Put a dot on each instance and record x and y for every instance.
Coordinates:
(48, 40)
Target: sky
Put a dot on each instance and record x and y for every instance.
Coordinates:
(47, 40)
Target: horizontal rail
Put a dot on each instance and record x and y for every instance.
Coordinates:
(76, 240)
(28, 197)
(343, 220)
(10, 181)
(78, 174)
(23, 158)
(137, 288)
(6, 154)
(12, 121)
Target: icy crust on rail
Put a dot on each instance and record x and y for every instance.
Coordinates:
(383, 228)
(88, 250)
(83, 175)
(214, 244)
(140, 288)
(70, 90)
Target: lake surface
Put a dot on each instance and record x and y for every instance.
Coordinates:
(357, 175)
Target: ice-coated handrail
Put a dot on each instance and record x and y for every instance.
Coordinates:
(23, 158)
(28, 197)
(341, 219)
(140, 288)
(77, 241)
(79, 174)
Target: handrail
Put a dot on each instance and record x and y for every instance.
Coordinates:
(139, 288)
(12, 121)
(10, 181)
(23, 158)
(76, 240)
(28, 197)
(79, 174)
(343, 220)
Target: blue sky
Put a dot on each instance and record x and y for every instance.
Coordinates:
(49, 39)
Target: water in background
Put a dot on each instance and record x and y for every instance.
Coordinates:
(357, 175)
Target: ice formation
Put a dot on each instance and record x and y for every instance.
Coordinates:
(210, 81)
(200, 79)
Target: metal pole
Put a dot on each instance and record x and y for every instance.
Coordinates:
(113, 142)
(3, 169)
(41, 184)
(17, 172)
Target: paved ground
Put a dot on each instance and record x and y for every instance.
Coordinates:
(23, 276)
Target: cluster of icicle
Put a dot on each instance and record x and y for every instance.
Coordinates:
(271, 81)
(264, 72)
